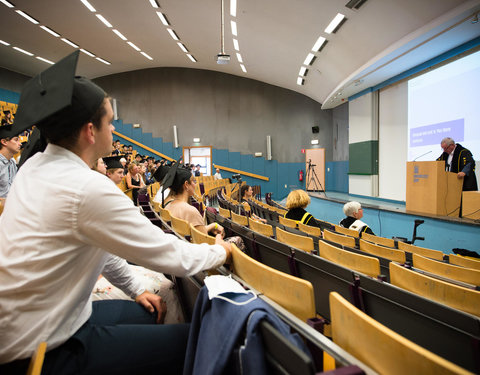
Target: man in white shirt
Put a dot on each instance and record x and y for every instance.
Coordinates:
(64, 224)
(217, 175)
(9, 145)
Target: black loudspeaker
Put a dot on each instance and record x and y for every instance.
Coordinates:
(315, 129)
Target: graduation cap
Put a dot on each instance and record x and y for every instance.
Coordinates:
(113, 162)
(7, 131)
(7, 112)
(57, 101)
(175, 177)
(160, 173)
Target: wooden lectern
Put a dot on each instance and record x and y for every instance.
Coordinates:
(432, 190)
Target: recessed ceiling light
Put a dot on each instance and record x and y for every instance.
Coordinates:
(133, 46)
(23, 51)
(318, 44)
(88, 5)
(45, 60)
(163, 18)
(119, 34)
(102, 18)
(103, 61)
(235, 44)
(239, 57)
(334, 24)
(25, 15)
(309, 59)
(300, 81)
(191, 57)
(147, 56)
(182, 47)
(4, 43)
(69, 42)
(154, 3)
(8, 4)
(87, 52)
(234, 27)
(243, 68)
(302, 72)
(233, 8)
(50, 31)
(173, 34)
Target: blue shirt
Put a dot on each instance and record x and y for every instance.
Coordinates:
(8, 170)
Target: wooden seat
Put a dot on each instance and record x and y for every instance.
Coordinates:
(464, 262)
(346, 231)
(314, 231)
(300, 242)
(261, 228)
(199, 237)
(240, 219)
(165, 214)
(292, 293)
(460, 298)
(181, 227)
(36, 362)
(429, 253)
(339, 238)
(224, 212)
(389, 242)
(466, 275)
(287, 222)
(382, 349)
(361, 263)
(382, 251)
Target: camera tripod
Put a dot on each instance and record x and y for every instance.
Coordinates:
(312, 179)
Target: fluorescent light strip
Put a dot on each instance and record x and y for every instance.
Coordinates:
(88, 5)
(8, 4)
(235, 44)
(87, 52)
(191, 57)
(119, 34)
(23, 51)
(335, 22)
(309, 59)
(103, 61)
(243, 68)
(302, 72)
(102, 18)
(300, 81)
(148, 57)
(318, 44)
(233, 24)
(45, 60)
(69, 42)
(163, 18)
(233, 8)
(25, 15)
(239, 58)
(182, 47)
(133, 46)
(4, 43)
(50, 31)
(173, 34)
(154, 3)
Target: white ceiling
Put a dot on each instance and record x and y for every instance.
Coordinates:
(376, 42)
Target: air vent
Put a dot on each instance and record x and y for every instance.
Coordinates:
(355, 4)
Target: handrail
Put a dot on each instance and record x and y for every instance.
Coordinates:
(143, 146)
(242, 172)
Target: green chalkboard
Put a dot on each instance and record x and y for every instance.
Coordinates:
(363, 158)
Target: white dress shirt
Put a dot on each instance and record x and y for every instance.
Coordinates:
(61, 220)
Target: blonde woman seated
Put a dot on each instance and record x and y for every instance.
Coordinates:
(297, 202)
(354, 212)
(134, 181)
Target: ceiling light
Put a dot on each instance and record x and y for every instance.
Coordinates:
(243, 68)
(133, 46)
(69, 42)
(314, 141)
(50, 31)
(234, 27)
(191, 57)
(196, 140)
(335, 23)
(4, 43)
(300, 81)
(309, 59)
(235, 44)
(148, 57)
(182, 47)
(163, 18)
(102, 18)
(318, 44)
(88, 5)
(303, 71)
(25, 15)
(45, 60)
(103, 61)
(10, 5)
(173, 34)
(222, 57)
(23, 51)
(154, 3)
(120, 35)
(233, 8)
(87, 52)
(239, 58)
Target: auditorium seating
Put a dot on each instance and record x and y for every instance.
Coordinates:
(181, 227)
(388, 242)
(464, 262)
(339, 238)
(346, 231)
(300, 242)
(265, 229)
(36, 362)
(385, 252)
(314, 231)
(199, 237)
(429, 253)
(224, 212)
(239, 219)
(287, 222)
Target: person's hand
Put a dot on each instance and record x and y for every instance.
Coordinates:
(218, 229)
(152, 302)
(460, 175)
(227, 246)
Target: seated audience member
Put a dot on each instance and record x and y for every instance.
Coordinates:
(139, 158)
(8, 119)
(197, 171)
(217, 175)
(61, 227)
(114, 168)
(9, 146)
(100, 167)
(134, 181)
(354, 212)
(246, 193)
(297, 202)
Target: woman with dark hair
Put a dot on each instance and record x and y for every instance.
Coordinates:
(246, 193)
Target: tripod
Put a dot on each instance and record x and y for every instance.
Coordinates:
(312, 178)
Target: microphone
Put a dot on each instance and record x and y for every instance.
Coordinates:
(418, 157)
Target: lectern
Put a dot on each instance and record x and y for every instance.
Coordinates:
(432, 190)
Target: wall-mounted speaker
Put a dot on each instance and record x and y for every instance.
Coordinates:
(175, 136)
(269, 147)
(315, 129)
